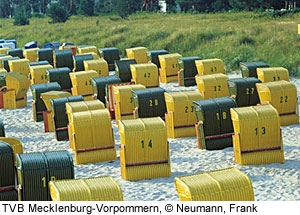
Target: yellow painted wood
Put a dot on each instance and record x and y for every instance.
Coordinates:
(123, 101)
(221, 185)
(100, 66)
(73, 107)
(257, 128)
(92, 130)
(38, 74)
(70, 135)
(31, 54)
(86, 189)
(142, 141)
(9, 99)
(145, 74)
(2, 70)
(138, 53)
(46, 97)
(81, 82)
(283, 96)
(212, 86)
(271, 74)
(74, 90)
(181, 113)
(1, 65)
(21, 103)
(70, 47)
(16, 145)
(20, 66)
(4, 50)
(19, 83)
(87, 49)
(210, 66)
(110, 99)
(169, 67)
(49, 121)
(95, 55)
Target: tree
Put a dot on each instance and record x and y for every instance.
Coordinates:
(122, 8)
(126, 7)
(171, 5)
(5, 8)
(86, 7)
(220, 5)
(70, 5)
(203, 6)
(277, 5)
(21, 15)
(134, 5)
(245, 4)
(185, 5)
(290, 4)
(105, 6)
(35, 5)
(58, 13)
(150, 5)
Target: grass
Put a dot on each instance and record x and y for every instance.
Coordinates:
(233, 37)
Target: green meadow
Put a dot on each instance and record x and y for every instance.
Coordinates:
(233, 37)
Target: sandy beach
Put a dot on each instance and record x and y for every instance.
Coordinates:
(270, 182)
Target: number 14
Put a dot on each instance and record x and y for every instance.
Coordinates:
(149, 144)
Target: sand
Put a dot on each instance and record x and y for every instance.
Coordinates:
(270, 182)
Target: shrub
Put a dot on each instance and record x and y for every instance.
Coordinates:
(114, 18)
(58, 13)
(247, 41)
(86, 7)
(21, 17)
(122, 9)
(37, 15)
